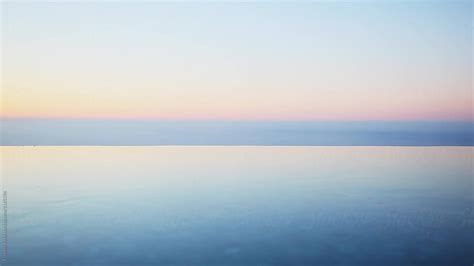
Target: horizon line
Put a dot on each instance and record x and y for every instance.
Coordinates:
(3, 118)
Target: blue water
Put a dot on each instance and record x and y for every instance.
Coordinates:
(18, 132)
(202, 205)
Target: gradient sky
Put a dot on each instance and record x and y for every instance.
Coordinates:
(278, 61)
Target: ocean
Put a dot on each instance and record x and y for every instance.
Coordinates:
(123, 132)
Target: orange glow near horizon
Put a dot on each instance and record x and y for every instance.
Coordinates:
(200, 106)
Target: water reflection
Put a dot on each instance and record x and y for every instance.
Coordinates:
(239, 205)
(5, 228)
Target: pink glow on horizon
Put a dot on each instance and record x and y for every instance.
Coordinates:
(380, 116)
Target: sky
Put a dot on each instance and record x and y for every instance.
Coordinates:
(316, 61)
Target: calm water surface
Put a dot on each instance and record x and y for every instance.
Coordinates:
(238, 205)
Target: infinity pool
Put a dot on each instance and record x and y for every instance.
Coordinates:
(229, 205)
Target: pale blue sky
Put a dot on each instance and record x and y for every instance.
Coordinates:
(386, 60)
